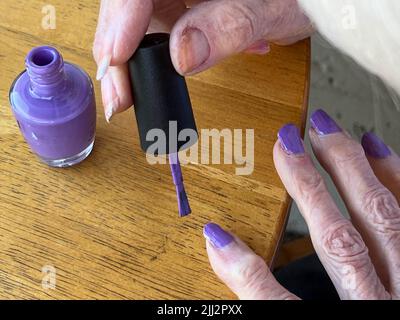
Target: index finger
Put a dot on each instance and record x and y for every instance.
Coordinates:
(338, 244)
(121, 26)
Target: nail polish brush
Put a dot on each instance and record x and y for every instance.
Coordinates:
(183, 202)
(161, 98)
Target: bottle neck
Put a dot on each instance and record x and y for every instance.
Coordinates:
(45, 67)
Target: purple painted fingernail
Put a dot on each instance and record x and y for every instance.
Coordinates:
(290, 140)
(323, 124)
(374, 146)
(217, 236)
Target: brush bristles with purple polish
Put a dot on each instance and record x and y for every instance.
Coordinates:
(183, 202)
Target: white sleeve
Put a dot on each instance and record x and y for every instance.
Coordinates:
(366, 30)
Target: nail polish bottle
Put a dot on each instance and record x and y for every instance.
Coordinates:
(54, 104)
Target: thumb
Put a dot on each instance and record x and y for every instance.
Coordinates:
(245, 273)
(214, 30)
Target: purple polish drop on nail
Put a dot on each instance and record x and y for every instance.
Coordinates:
(183, 202)
(54, 104)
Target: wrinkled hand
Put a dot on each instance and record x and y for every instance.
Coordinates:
(362, 257)
(200, 36)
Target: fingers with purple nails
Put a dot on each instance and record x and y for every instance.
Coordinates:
(361, 256)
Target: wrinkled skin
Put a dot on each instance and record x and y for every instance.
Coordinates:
(361, 256)
(201, 36)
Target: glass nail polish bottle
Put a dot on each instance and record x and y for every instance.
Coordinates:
(54, 104)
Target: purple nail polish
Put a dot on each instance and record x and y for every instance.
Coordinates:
(323, 124)
(183, 202)
(290, 140)
(375, 147)
(53, 102)
(217, 236)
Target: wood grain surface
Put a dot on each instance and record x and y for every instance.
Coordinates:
(110, 226)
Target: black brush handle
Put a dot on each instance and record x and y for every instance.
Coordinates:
(160, 94)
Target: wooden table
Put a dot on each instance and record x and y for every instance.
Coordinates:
(109, 226)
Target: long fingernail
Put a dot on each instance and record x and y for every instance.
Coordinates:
(323, 124)
(290, 140)
(194, 50)
(218, 237)
(111, 108)
(374, 146)
(103, 67)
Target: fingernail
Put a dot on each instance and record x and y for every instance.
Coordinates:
(218, 237)
(323, 124)
(290, 140)
(111, 108)
(103, 67)
(260, 47)
(374, 146)
(194, 50)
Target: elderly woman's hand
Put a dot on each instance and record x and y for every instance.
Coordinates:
(362, 257)
(200, 37)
